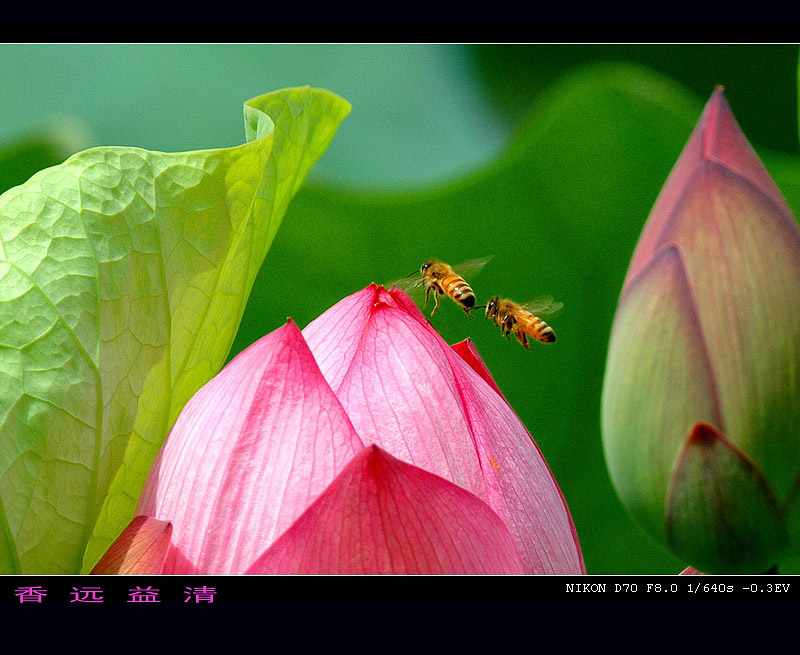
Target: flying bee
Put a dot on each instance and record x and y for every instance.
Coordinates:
(442, 279)
(524, 319)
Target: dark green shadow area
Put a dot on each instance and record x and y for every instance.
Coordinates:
(22, 157)
(758, 77)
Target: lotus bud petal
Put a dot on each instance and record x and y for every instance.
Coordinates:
(364, 444)
(382, 515)
(141, 549)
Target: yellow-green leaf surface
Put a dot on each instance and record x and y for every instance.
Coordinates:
(123, 277)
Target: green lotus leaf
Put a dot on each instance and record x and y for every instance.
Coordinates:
(123, 277)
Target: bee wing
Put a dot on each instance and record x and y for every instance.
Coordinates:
(412, 285)
(472, 267)
(543, 306)
(408, 284)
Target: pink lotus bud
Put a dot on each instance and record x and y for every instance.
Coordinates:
(364, 444)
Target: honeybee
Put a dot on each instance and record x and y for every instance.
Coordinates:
(442, 279)
(523, 319)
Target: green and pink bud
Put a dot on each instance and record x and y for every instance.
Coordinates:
(701, 397)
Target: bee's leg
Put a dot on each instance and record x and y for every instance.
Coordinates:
(427, 296)
(436, 306)
(467, 311)
(508, 326)
(523, 339)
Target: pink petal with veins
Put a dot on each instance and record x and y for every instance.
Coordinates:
(466, 350)
(522, 489)
(406, 390)
(397, 387)
(248, 454)
(383, 516)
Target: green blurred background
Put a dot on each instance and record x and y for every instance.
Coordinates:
(547, 156)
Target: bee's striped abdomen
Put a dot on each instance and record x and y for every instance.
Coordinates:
(459, 290)
(541, 331)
